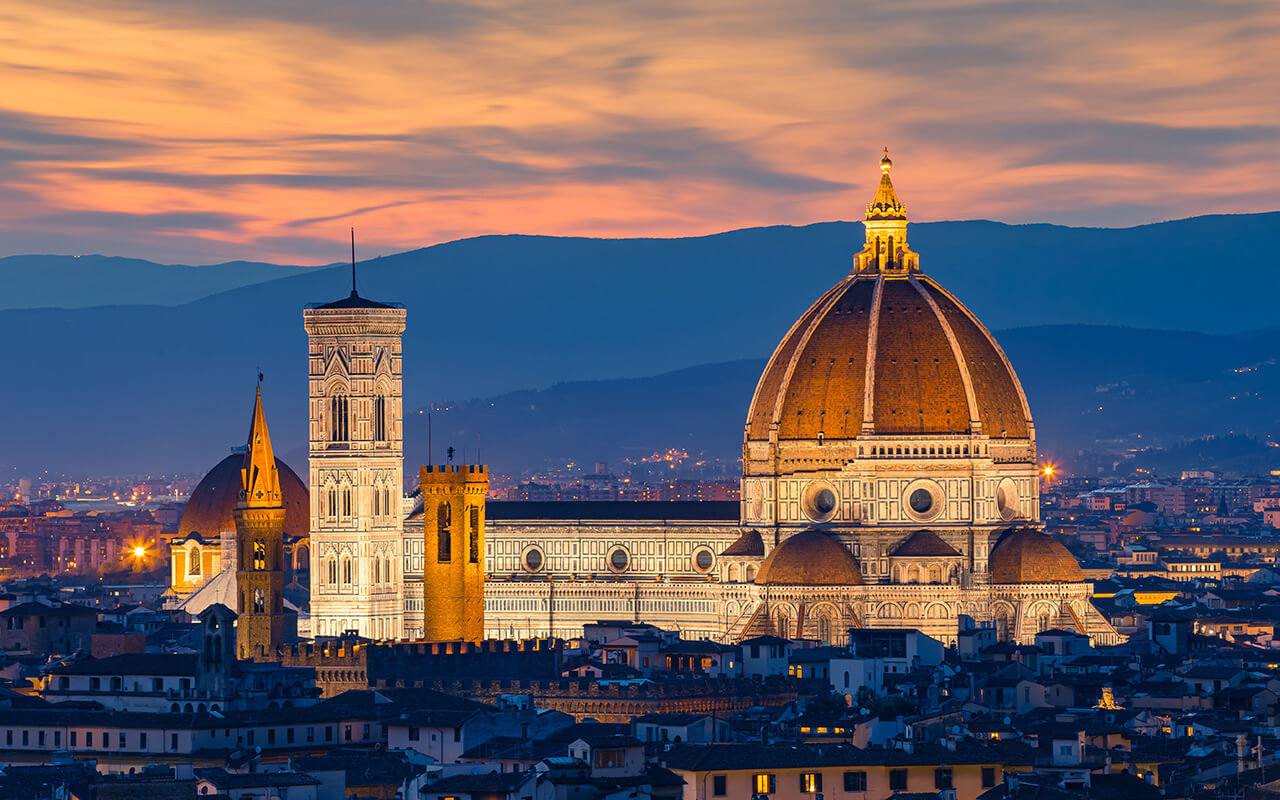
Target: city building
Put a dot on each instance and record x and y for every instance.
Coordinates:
(356, 467)
(889, 480)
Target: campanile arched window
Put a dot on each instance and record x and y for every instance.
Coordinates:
(339, 417)
(380, 418)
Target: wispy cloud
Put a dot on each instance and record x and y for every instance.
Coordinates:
(236, 129)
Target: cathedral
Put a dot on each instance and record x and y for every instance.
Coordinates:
(889, 480)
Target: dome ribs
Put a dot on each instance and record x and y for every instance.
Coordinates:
(1001, 404)
(764, 401)
(809, 558)
(824, 394)
(918, 385)
(1024, 555)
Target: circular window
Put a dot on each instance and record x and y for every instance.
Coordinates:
(819, 501)
(1007, 499)
(923, 500)
(619, 560)
(533, 559)
(703, 560)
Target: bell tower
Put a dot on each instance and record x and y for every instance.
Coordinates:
(259, 520)
(356, 466)
(453, 552)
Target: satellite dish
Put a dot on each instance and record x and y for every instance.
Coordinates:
(863, 711)
(955, 729)
(1008, 721)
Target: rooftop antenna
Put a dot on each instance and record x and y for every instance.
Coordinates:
(353, 262)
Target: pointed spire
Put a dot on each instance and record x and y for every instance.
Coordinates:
(886, 248)
(259, 479)
(353, 260)
(886, 204)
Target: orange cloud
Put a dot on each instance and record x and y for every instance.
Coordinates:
(202, 130)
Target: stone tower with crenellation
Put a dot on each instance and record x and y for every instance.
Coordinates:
(259, 518)
(356, 467)
(453, 552)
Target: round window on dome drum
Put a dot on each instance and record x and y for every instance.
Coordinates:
(619, 560)
(819, 501)
(533, 559)
(921, 501)
(703, 560)
(1007, 500)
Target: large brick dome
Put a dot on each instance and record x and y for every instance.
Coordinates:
(897, 352)
(211, 508)
(887, 351)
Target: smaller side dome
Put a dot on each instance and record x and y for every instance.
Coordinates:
(1024, 555)
(809, 558)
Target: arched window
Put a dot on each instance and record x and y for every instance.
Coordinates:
(377, 502)
(379, 418)
(346, 571)
(332, 510)
(259, 602)
(259, 555)
(377, 570)
(333, 570)
(193, 561)
(444, 543)
(346, 501)
(473, 538)
(339, 408)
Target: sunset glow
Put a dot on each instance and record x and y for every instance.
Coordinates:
(206, 131)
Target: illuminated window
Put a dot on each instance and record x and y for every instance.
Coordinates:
(259, 601)
(259, 555)
(765, 783)
(193, 561)
(810, 782)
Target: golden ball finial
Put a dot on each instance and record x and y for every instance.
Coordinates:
(885, 163)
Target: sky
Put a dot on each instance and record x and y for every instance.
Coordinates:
(199, 131)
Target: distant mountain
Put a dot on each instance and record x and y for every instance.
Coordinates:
(1085, 384)
(153, 387)
(80, 281)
